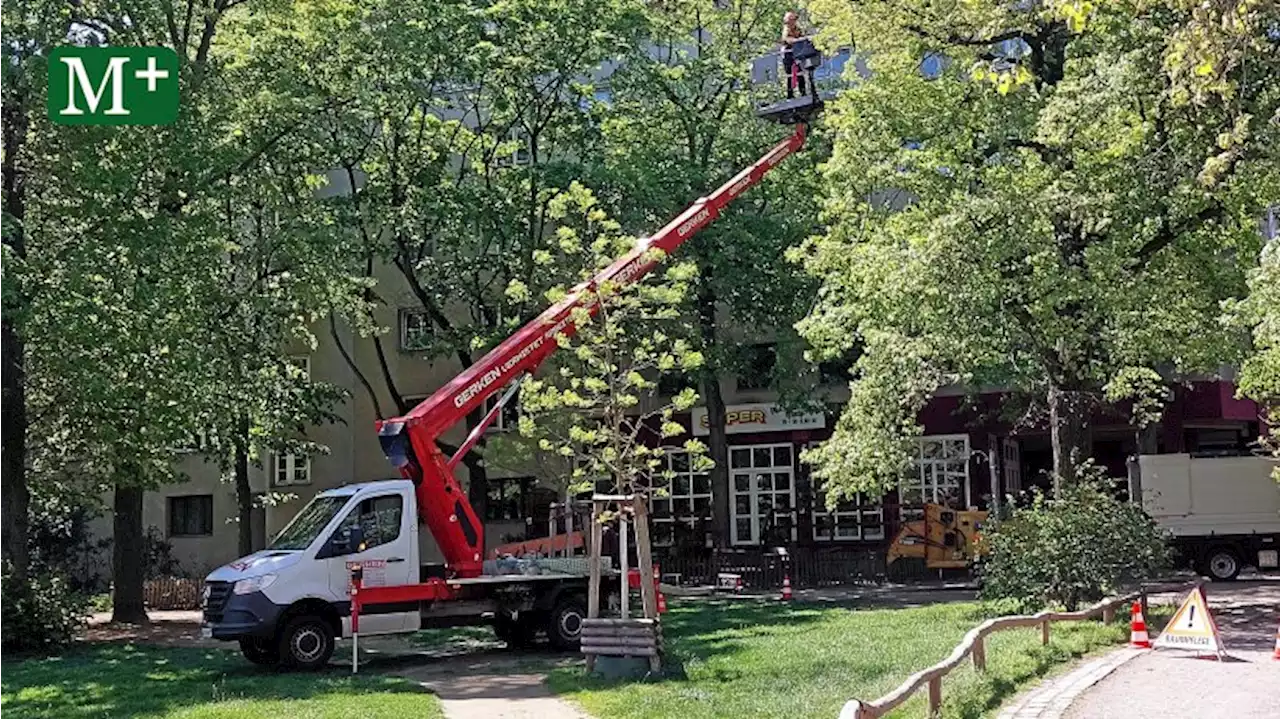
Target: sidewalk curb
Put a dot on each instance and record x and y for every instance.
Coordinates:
(1051, 698)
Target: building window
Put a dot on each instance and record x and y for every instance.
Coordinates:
(762, 478)
(670, 385)
(859, 518)
(291, 469)
(933, 65)
(837, 370)
(191, 516)
(1218, 441)
(508, 419)
(415, 330)
(1011, 465)
(508, 498)
(831, 72)
(940, 476)
(856, 519)
(758, 362)
(515, 150)
(686, 510)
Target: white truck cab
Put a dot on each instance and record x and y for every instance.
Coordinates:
(289, 603)
(292, 599)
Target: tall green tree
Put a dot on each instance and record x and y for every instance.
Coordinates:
(115, 275)
(39, 27)
(1077, 204)
(595, 403)
(459, 125)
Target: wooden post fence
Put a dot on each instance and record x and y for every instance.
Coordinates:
(974, 643)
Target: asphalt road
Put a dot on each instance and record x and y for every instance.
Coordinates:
(1176, 685)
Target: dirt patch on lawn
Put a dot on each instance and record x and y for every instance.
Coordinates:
(167, 628)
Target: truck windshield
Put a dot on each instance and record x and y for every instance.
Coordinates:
(312, 520)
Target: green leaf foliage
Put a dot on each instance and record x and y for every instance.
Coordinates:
(1038, 208)
(1071, 551)
(595, 404)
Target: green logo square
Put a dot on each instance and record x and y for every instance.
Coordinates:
(113, 86)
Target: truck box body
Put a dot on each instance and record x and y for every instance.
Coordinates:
(1219, 509)
(1212, 495)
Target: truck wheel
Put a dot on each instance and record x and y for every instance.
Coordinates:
(263, 652)
(564, 626)
(306, 643)
(1222, 564)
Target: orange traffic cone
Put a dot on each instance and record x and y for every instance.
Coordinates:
(786, 588)
(1277, 654)
(1138, 638)
(662, 603)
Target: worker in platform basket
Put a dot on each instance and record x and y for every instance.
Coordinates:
(795, 45)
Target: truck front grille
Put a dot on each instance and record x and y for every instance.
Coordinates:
(216, 595)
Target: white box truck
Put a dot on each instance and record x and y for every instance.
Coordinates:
(1223, 512)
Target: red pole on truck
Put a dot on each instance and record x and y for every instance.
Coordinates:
(357, 577)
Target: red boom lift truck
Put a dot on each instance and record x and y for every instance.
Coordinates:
(288, 603)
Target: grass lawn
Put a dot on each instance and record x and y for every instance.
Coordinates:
(114, 680)
(764, 659)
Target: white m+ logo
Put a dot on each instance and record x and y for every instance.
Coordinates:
(77, 77)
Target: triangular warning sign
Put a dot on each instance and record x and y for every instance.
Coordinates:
(1192, 627)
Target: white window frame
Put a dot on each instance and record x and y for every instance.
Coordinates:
(859, 513)
(753, 490)
(290, 464)
(1011, 464)
(426, 332)
(864, 530)
(926, 472)
(687, 514)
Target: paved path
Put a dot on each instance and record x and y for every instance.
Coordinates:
(492, 689)
(1128, 683)
(1052, 697)
(1175, 685)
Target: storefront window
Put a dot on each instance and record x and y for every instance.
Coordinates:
(763, 506)
(686, 510)
(941, 476)
(851, 520)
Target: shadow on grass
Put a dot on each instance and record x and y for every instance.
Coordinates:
(124, 680)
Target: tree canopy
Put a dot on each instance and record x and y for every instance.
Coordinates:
(1039, 198)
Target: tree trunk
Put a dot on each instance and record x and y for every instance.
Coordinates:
(15, 495)
(244, 493)
(718, 449)
(1069, 432)
(717, 440)
(128, 557)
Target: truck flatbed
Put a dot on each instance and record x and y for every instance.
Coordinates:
(517, 578)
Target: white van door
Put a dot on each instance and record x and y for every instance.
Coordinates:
(377, 533)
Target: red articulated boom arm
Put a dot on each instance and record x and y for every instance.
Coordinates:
(410, 441)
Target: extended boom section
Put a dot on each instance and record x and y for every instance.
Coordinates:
(410, 442)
